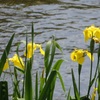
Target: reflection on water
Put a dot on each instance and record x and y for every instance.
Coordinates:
(66, 20)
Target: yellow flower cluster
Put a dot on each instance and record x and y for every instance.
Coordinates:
(92, 32)
(78, 55)
(18, 61)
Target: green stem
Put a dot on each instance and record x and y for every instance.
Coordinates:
(79, 84)
(90, 80)
(79, 72)
(91, 50)
(98, 73)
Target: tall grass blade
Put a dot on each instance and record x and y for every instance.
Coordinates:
(28, 82)
(99, 73)
(47, 54)
(32, 34)
(36, 87)
(51, 57)
(52, 87)
(68, 96)
(42, 81)
(28, 77)
(99, 83)
(57, 65)
(51, 81)
(5, 54)
(58, 46)
(16, 93)
(46, 88)
(61, 81)
(76, 93)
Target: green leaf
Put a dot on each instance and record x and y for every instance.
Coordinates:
(92, 81)
(16, 91)
(76, 93)
(68, 96)
(28, 69)
(47, 54)
(51, 58)
(58, 46)
(46, 88)
(50, 83)
(36, 87)
(19, 58)
(5, 54)
(61, 81)
(28, 81)
(42, 81)
(32, 34)
(57, 64)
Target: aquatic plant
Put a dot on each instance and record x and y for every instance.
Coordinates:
(92, 33)
(44, 84)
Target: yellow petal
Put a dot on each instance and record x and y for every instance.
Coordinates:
(6, 66)
(77, 56)
(30, 50)
(38, 46)
(73, 56)
(18, 61)
(92, 28)
(81, 60)
(90, 56)
(87, 34)
(42, 51)
(96, 40)
(97, 33)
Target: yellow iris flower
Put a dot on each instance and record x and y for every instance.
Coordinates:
(30, 50)
(79, 56)
(18, 61)
(92, 32)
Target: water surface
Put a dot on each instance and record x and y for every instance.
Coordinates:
(65, 20)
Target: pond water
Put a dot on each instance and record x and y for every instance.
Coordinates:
(65, 20)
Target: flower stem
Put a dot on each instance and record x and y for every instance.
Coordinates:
(98, 67)
(79, 72)
(91, 50)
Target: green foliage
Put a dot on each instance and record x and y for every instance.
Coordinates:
(45, 81)
(76, 93)
(5, 54)
(44, 84)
